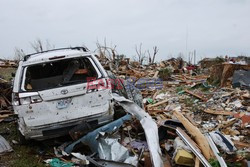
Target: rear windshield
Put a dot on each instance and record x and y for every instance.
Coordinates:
(59, 73)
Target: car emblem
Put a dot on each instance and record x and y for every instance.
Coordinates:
(64, 91)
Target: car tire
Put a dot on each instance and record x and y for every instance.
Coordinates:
(119, 112)
(21, 139)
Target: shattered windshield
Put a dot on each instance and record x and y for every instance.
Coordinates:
(58, 73)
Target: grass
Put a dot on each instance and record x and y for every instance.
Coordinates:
(23, 155)
(5, 73)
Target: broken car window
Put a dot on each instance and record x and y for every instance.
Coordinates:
(58, 73)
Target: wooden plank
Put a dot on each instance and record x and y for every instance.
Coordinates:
(157, 104)
(191, 120)
(197, 162)
(195, 95)
(5, 112)
(151, 111)
(167, 161)
(196, 133)
(156, 74)
(155, 94)
(7, 101)
(5, 116)
(219, 112)
(228, 123)
(239, 144)
(3, 104)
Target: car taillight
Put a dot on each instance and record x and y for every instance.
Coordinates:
(36, 99)
(26, 100)
(15, 100)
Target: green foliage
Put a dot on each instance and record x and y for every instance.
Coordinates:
(214, 163)
(180, 88)
(234, 164)
(165, 73)
(219, 60)
(189, 102)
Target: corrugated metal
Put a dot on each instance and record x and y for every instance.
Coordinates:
(4, 146)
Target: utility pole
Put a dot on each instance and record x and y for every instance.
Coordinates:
(194, 57)
(187, 42)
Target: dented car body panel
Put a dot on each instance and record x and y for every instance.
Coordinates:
(48, 105)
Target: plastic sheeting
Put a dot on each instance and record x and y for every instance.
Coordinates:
(90, 138)
(55, 162)
(149, 83)
(148, 124)
(241, 78)
(225, 143)
(111, 149)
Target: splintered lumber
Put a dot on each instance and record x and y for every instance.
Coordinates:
(158, 103)
(241, 144)
(197, 135)
(195, 95)
(191, 120)
(5, 116)
(228, 123)
(166, 161)
(192, 145)
(3, 104)
(197, 162)
(151, 111)
(219, 112)
(5, 112)
(156, 74)
(155, 94)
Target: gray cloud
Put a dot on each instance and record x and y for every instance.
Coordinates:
(214, 27)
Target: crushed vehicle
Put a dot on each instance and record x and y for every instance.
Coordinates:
(57, 90)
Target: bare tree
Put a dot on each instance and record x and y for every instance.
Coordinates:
(151, 60)
(105, 51)
(180, 55)
(141, 55)
(155, 51)
(19, 54)
(38, 45)
(149, 57)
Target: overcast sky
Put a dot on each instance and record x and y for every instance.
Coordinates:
(212, 27)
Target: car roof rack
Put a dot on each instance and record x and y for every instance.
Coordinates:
(84, 49)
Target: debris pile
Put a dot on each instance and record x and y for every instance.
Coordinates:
(197, 123)
(7, 63)
(5, 99)
(186, 119)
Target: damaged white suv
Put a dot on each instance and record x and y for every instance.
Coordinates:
(51, 93)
